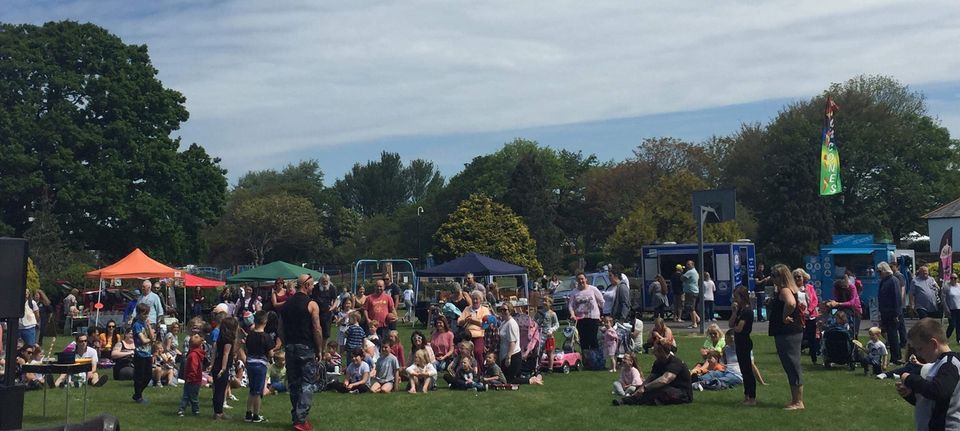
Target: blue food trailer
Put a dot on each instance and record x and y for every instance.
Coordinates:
(859, 254)
(730, 264)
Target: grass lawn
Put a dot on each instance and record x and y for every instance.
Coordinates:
(835, 399)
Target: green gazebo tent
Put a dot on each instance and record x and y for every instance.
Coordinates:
(271, 272)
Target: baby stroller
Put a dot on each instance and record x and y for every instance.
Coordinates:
(838, 348)
(625, 342)
(530, 345)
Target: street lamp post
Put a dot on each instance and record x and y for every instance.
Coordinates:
(419, 249)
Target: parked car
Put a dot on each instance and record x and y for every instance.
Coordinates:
(568, 284)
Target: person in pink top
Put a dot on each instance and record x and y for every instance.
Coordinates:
(809, 310)
(630, 376)
(846, 298)
(585, 304)
(378, 307)
(442, 343)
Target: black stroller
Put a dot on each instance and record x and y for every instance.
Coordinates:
(838, 348)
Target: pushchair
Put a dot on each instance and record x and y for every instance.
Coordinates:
(838, 348)
(530, 344)
(625, 343)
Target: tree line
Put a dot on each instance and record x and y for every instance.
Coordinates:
(89, 162)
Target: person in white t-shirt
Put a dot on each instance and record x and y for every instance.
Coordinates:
(83, 350)
(28, 323)
(510, 352)
(709, 288)
(408, 303)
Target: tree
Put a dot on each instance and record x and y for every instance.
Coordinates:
(84, 119)
(530, 197)
(255, 227)
(483, 226)
(33, 277)
(382, 186)
(47, 248)
(636, 230)
(305, 179)
(673, 218)
(896, 164)
(610, 191)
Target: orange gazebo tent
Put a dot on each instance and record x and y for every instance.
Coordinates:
(136, 265)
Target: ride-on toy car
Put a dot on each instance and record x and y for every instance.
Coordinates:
(567, 359)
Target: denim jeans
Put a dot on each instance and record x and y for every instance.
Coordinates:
(720, 380)
(302, 373)
(191, 395)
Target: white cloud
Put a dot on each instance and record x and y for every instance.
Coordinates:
(268, 78)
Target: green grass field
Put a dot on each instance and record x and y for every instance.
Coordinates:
(835, 399)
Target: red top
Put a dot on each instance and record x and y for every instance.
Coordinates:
(397, 350)
(377, 307)
(193, 366)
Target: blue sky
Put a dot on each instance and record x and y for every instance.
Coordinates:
(270, 83)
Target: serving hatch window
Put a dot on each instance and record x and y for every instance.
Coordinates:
(860, 264)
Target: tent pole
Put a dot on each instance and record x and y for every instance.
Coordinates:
(96, 321)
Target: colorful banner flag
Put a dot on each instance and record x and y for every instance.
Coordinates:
(829, 155)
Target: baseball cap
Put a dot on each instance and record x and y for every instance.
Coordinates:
(679, 266)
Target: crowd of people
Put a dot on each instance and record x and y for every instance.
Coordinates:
(278, 339)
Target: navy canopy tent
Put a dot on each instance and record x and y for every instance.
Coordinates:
(474, 263)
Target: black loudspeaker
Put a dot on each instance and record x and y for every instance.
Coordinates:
(13, 276)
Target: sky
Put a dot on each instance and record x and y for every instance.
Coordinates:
(272, 83)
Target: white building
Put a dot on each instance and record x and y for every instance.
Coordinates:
(944, 225)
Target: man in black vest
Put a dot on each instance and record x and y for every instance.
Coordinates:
(302, 336)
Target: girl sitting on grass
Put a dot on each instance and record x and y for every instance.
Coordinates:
(421, 373)
(630, 376)
(464, 350)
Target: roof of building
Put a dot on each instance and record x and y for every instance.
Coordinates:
(949, 210)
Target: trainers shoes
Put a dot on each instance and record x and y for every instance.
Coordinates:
(180, 413)
(881, 376)
(258, 419)
(248, 417)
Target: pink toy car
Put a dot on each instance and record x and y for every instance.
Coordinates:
(563, 361)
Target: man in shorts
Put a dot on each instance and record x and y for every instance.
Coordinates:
(691, 294)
